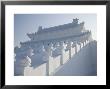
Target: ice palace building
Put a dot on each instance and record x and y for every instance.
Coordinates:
(53, 51)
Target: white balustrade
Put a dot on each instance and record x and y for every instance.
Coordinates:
(64, 49)
(39, 71)
(52, 63)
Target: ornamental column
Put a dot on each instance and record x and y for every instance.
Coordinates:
(72, 49)
(62, 52)
(49, 53)
(69, 47)
(22, 61)
(83, 43)
(80, 45)
(75, 47)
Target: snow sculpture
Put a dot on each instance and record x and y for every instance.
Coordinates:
(49, 43)
(30, 52)
(25, 62)
(22, 60)
(43, 54)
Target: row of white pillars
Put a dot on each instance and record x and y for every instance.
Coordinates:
(69, 44)
(62, 53)
(62, 45)
(49, 51)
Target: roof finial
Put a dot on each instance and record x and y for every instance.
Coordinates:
(82, 23)
(75, 21)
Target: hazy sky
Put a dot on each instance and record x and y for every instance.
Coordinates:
(29, 23)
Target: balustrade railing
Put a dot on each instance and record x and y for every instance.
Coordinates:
(58, 53)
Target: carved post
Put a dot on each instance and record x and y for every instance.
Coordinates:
(30, 52)
(86, 42)
(69, 47)
(72, 49)
(83, 43)
(50, 49)
(22, 60)
(75, 47)
(62, 52)
(49, 57)
(80, 45)
(47, 64)
(21, 63)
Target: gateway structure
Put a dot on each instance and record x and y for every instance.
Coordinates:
(50, 48)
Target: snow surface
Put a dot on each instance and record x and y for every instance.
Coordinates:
(84, 63)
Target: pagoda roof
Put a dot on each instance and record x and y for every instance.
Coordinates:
(59, 27)
(63, 27)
